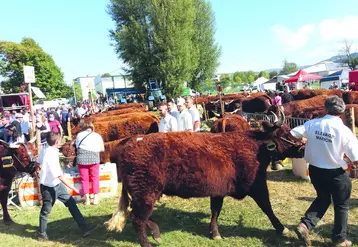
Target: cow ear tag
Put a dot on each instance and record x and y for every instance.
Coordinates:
(271, 146)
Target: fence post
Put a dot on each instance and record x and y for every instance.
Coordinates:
(205, 112)
(38, 140)
(349, 113)
(69, 130)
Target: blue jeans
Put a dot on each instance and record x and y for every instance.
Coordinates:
(49, 196)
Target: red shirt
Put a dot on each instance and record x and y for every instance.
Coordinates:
(54, 126)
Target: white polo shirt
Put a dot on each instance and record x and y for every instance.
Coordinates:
(185, 122)
(50, 166)
(195, 116)
(168, 124)
(328, 139)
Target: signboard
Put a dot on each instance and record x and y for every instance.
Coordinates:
(29, 74)
(38, 92)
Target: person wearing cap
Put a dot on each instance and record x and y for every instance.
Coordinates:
(17, 122)
(185, 122)
(14, 136)
(172, 109)
(328, 139)
(195, 115)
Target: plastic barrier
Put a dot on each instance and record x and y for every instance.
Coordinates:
(28, 195)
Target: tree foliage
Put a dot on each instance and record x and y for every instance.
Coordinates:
(166, 40)
(49, 77)
(226, 80)
(273, 74)
(348, 57)
(78, 91)
(264, 74)
(288, 68)
(106, 75)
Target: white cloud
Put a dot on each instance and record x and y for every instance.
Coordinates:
(339, 29)
(291, 39)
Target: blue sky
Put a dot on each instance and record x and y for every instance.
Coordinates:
(255, 34)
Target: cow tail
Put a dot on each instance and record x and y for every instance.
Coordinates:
(223, 125)
(119, 218)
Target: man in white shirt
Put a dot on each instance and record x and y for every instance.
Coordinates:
(195, 115)
(172, 109)
(185, 122)
(328, 139)
(168, 123)
(53, 186)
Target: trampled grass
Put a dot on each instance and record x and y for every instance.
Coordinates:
(185, 222)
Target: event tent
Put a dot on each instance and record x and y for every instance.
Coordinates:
(259, 81)
(340, 77)
(303, 76)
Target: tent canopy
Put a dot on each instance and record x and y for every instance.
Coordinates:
(339, 75)
(303, 76)
(259, 81)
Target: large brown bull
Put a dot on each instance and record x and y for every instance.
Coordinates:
(209, 165)
(229, 123)
(296, 107)
(310, 93)
(130, 105)
(318, 112)
(350, 97)
(20, 159)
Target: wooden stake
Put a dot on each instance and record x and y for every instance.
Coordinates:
(349, 113)
(69, 130)
(33, 122)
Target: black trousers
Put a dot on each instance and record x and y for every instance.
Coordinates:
(64, 127)
(49, 196)
(335, 185)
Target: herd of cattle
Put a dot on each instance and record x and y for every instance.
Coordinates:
(230, 161)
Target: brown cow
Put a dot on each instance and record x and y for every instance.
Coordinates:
(350, 97)
(310, 93)
(130, 105)
(230, 122)
(23, 158)
(210, 165)
(297, 107)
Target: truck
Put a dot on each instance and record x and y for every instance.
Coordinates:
(15, 101)
(122, 93)
(154, 94)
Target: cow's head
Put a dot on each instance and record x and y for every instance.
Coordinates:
(281, 144)
(19, 158)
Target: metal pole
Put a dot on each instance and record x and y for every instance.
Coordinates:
(74, 92)
(32, 113)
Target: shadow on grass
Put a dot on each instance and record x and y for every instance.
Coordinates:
(284, 175)
(65, 231)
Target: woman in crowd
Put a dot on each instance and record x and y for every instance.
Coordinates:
(14, 136)
(89, 144)
(42, 125)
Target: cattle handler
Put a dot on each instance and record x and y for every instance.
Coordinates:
(328, 139)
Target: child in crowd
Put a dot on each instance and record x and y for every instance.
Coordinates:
(53, 186)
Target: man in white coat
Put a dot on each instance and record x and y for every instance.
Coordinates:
(194, 112)
(168, 123)
(185, 122)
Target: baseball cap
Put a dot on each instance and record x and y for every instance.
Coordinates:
(180, 102)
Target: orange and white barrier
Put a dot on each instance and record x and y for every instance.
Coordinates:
(28, 193)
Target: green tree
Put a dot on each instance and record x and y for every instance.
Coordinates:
(264, 74)
(106, 75)
(78, 91)
(208, 52)
(288, 68)
(273, 74)
(237, 78)
(156, 39)
(348, 57)
(49, 77)
(226, 80)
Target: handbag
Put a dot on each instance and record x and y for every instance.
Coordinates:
(75, 159)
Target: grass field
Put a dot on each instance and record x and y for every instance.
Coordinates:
(185, 222)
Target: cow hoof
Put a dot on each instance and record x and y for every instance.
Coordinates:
(158, 240)
(217, 237)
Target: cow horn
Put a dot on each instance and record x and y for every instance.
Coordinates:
(276, 118)
(282, 119)
(216, 114)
